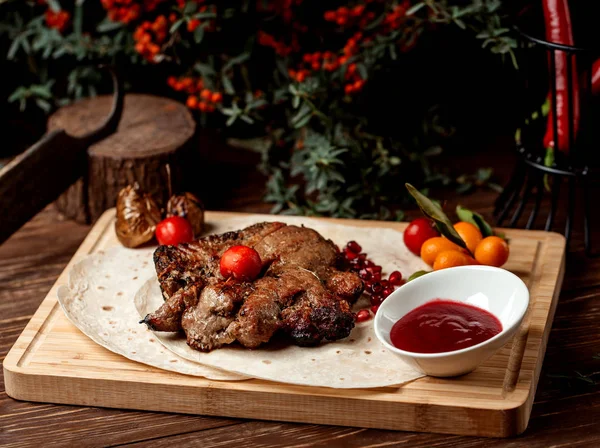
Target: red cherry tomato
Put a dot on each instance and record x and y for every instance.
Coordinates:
(417, 232)
(174, 230)
(241, 262)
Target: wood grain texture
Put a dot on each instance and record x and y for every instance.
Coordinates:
(565, 411)
(153, 132)
(53, 362)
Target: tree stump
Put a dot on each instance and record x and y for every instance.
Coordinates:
(151, 147)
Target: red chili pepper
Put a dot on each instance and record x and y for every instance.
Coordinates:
(558, 30)
(596, 77)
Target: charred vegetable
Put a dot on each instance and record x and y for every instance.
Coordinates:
(137, 216)
(189, 207)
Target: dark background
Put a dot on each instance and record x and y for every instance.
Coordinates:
(476, 92)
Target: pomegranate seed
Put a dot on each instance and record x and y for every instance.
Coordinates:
(374, 269)
(362, 315)
(387, 291)
(376, 288)
(396, 278)
(376, 276)
(376, 299)
(385, 283)
(368, 285)
(358, 264)
(364, 274)
(353, 246)
(369, 263)
(350, 255)
(374, 309)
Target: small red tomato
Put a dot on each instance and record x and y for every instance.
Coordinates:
(174, 230)
(241, 263)
(417, 232)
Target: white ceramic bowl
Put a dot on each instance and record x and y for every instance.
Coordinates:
(495, 290)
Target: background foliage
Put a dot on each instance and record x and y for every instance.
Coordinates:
(338, 97)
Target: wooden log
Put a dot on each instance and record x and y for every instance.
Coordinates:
(152, 139)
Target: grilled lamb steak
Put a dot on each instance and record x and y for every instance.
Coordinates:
(301, 293)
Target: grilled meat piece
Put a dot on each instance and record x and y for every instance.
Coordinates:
(317, 313)
(301, 293)
(198, 262)
(207, 325)
(168, 316)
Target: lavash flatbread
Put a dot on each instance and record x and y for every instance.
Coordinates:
(98, 300)
(358, 361)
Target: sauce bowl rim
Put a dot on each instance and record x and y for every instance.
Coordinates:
(415, 284)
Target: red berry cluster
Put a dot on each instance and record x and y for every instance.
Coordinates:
(58, 20)
(124, 11)
(206, 101)
(354, 82)
(317, 61)
(282, 8)
(268, 40)
(199, 98)
(328, 61)
(370, 274)
(393, 20)
(149, 36)
(185, 84)
(298, 75)
(344, 15)
(195, 23)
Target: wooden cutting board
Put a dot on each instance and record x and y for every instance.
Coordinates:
(52, 361)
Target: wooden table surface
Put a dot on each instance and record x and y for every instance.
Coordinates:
(566, 410)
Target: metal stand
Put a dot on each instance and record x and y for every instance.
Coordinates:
(572, 165)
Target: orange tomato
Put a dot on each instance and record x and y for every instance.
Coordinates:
(451, 259)
(433, 246)
(492, 251)
(469, 233)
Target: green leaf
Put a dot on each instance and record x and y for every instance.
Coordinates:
(14, 47)
(204, 69)
(464, 214)
(17, 94)
(189, 7)
(227, 85)
(434, 212)
(295, 102)
(303, 121)
(54, 5)
(305, 111)
(247, 119)
(231, 120)
(176, 25)
(204, 15)
(242, 57)
(108, 25)
(78, 19)
(417, 275)
(413, 9)
(198, 34)
(43, 104)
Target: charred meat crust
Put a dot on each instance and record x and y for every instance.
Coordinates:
(301, 294)
(197, 262)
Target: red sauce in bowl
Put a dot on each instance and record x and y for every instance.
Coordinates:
(443, 326)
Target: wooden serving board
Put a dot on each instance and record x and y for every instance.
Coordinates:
(52, 361)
